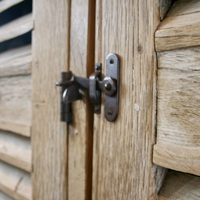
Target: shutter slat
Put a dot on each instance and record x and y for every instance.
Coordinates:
(16, 28)
(15, 150)
(5, 4)
(14, 182)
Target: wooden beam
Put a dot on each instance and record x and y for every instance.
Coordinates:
(122, 166)
(49, 138)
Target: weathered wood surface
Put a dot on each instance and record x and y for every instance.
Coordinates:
(49, 138)
(5, 4)
(179, 29)
(82, 33)
(14, 182)
(164, 8)
(122, 167)
(15, 101)
(16, 28)
(180, 186)
(178, 110)
(20, 66)
(15, 150)
(4, 196)
(15, 53)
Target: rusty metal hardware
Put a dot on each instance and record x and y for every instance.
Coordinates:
(73, 87)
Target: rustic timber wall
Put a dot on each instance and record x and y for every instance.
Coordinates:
(15, 100)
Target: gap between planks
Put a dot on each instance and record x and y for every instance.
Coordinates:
(6, 4)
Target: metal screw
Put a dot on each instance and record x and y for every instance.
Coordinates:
(110, 111)
(98, 67)
(108, 86)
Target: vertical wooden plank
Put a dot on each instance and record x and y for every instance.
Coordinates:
(49, 138)
(80, 133)
(122, 165)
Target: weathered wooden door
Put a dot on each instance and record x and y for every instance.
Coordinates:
(92, 158)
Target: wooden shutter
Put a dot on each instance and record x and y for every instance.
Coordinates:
(177, 42)
(15, 106)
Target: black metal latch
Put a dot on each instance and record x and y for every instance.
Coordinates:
(72, 88)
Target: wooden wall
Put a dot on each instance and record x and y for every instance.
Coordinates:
(15, 108)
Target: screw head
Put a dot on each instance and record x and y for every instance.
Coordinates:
(108, 86)
(98, 67)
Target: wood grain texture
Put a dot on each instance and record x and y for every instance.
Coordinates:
(15, 182)
(122, 165)
(21, 129)
(82, 33)
(16, 28)
(180, 30)
(178, 111)
(180, 186)
(184, 159)
(15, 150)
(5, 4)
(16, 67)
(164, 8)
(49, 138)
(15, 53)
(15, 100)
(4, 196)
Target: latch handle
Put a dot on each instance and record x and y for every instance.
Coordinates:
(71, 87)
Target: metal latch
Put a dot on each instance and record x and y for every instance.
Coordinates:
(73, 87)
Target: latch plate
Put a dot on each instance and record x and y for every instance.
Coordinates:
(112, 102)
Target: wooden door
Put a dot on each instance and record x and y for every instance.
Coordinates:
(92, 158)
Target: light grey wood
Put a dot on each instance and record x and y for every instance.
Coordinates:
(15, 182)
(15, 150)
(15, 101)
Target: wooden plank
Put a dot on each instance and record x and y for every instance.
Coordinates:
(15, 53)
(180, 186)
(21, 129)
(122, 166)
(184, 159)
(80, 134)
(4, 196)
(14, 182)
(50, 57)
(16, 28)
(179, 31)
(181, 59)
(164, 8)
(5, 4)
(15, 101)
(178, 116)
(16, 67)
(15, 150)
(178, 121)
